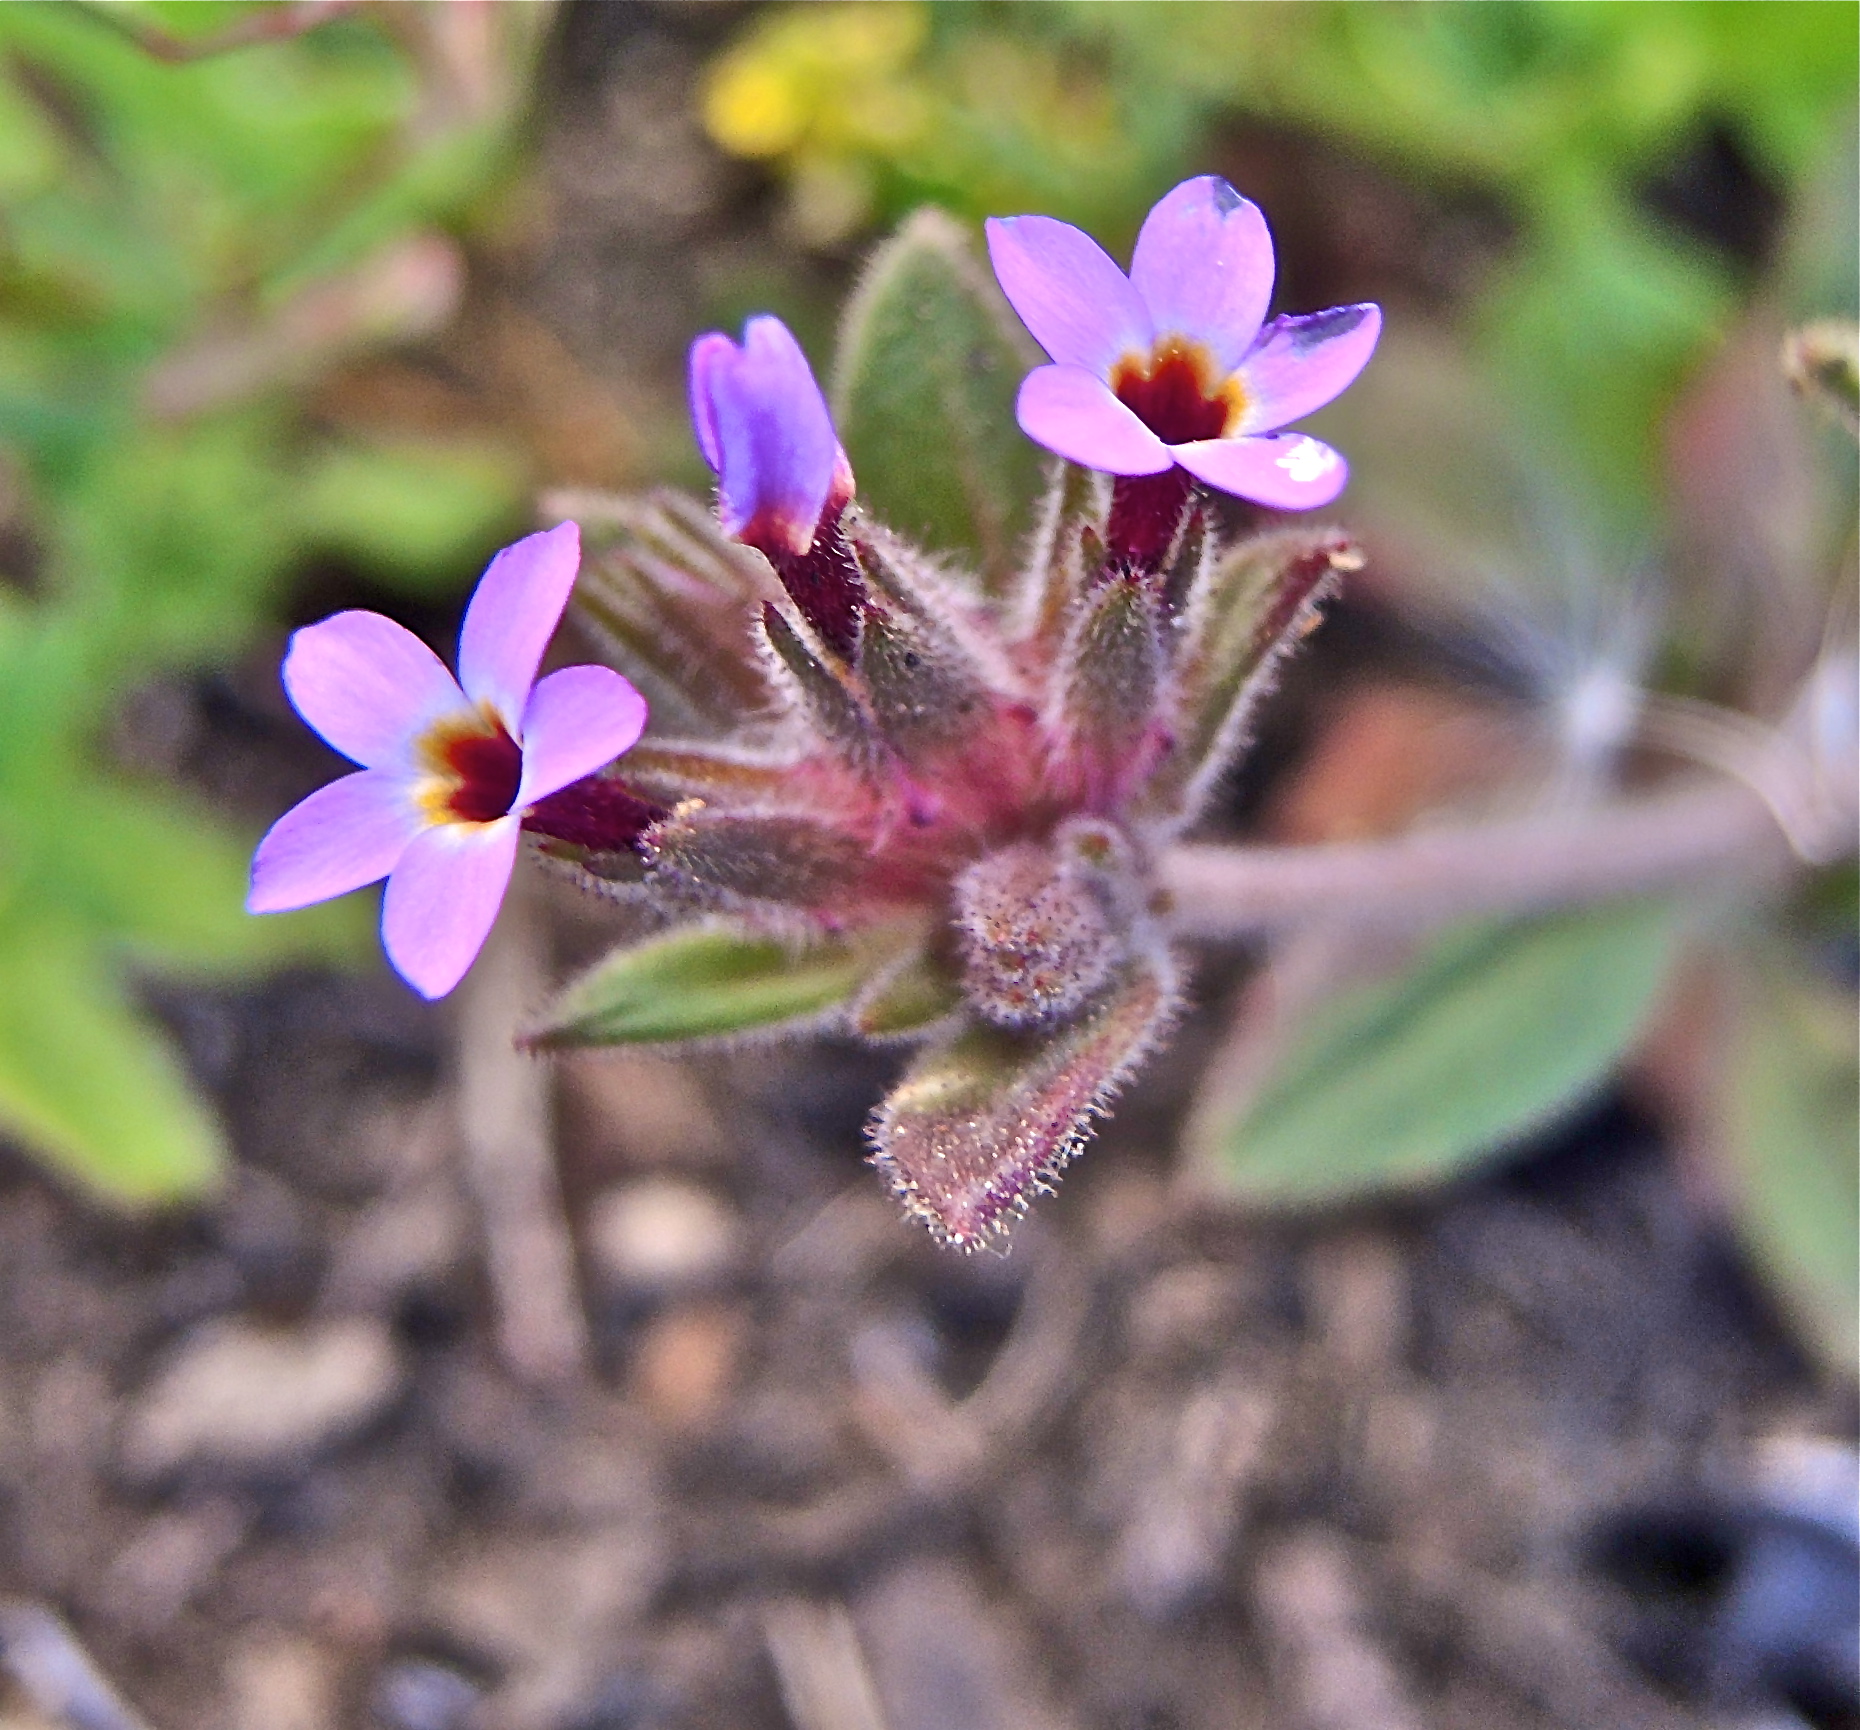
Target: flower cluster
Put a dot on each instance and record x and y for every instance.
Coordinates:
(876, 796)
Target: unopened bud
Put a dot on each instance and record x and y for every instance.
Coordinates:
(1038, 936)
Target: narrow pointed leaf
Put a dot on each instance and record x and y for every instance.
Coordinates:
(1110, 684)
(982, 1124)
(825, 697)
(1076, 500)
(930, 360)
(703, 982)
(1490, 1035)
(671, 772)
(924, 696)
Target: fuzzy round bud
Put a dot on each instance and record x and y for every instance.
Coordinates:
(1038, 938)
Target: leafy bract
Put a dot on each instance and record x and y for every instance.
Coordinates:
(1490, 1034)
(984, 1122)
(929, 363)
(703, 982)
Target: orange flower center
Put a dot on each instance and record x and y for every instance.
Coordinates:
(1177, 391)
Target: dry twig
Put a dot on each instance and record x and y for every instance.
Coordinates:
(505, 1123)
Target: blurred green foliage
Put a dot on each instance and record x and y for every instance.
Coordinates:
(1489, 1036)
(186, 248)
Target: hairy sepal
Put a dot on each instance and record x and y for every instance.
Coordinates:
(708, 856)
(823, 696)
(983, 1123)
(673, 770)
(925, 670)
(671, 603)
(719, 979)
(1107, 689)
(916, 996)
(1254, 604)
(1061, 564)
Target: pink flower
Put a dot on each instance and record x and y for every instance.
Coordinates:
(451, 768)
(1174, 364)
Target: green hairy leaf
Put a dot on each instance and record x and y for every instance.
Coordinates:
(703, 982)
(1112, 672)
(1490, 1034)
(912, 996)
(710, 854)
(929, 363)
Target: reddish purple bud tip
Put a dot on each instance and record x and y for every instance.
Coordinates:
(598, 812)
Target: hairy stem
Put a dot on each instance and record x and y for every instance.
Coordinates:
(1720, 832)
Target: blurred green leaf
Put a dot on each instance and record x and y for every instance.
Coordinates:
(1489, 1035)
(155, 220)
(89, 1084)
(701, 982)
(1792, 1092)
(415, 513)
(929, 362)
(168, 883)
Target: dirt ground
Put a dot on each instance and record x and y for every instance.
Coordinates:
(616, 1396)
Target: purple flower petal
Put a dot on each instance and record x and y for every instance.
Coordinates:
(512, 616)
(442, 899)
(1285, 471)
(1204, 267)
(708, 354)
(1080, 307)
(343, 836)
(367, 685)
(764, 427)
(1301, 362)
(1073, 413)
(578, 720)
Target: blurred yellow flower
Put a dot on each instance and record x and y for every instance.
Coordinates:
(825, 74)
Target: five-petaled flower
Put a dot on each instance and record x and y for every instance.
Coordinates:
(452, 769)
(1175, 364)
(782, 479)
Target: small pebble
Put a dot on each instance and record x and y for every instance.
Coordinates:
(685, 1363)
(418, 1694)
(661, 1234)
(250, 1399)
